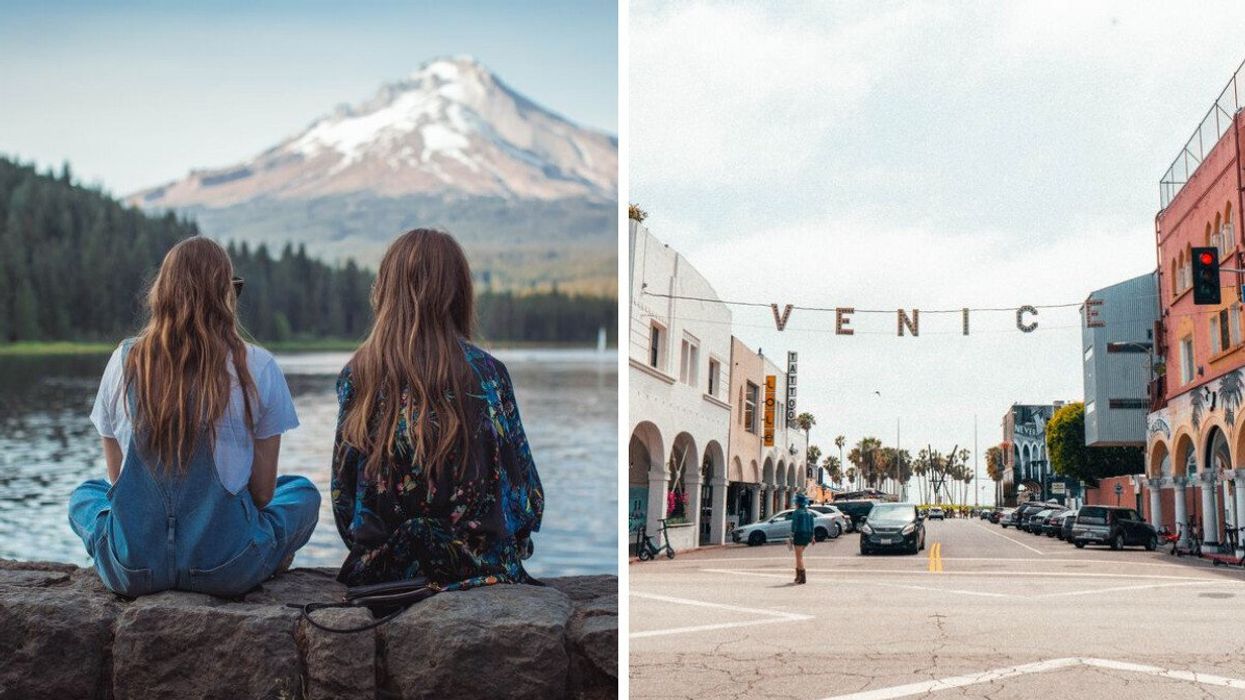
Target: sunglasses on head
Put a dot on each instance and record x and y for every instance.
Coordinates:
(238, 283)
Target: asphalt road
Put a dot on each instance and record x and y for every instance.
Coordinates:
(983, 612)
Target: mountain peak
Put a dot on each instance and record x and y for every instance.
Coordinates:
(450, 128)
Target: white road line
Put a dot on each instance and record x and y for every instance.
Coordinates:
(901, 691)
(983, 594)
(774, 616)
(961, 681)
(983, 528)
(1011, 574)
(1125, 588)
(693, 561)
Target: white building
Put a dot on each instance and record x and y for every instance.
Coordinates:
(679, 352)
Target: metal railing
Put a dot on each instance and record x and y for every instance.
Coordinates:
(1212, 128)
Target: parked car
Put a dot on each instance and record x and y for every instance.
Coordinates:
(856, 511)
(936, 513)
(1020, 516)
(999, 514)
(1115, 526)
(839, 519)
(1033, 523)
(1050, 527)
(778, 528)
(892, 526)
(1066, 522)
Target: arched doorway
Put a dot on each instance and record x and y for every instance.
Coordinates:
(683, 480)
(1218, 459)
(644, 457)
(712, 496)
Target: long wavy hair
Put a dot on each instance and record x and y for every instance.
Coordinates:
(178, 367)
(411, 366)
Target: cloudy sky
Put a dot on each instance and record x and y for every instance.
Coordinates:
(928, 155)
(135, 93)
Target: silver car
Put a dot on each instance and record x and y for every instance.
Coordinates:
(778, 528)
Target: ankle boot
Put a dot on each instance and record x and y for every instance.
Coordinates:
(797, 576)
(800, 576)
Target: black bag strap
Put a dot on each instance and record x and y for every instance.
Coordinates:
(399, 597)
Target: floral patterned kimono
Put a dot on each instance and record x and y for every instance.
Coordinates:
(460, 532)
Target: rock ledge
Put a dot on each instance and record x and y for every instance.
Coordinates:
(63, 635)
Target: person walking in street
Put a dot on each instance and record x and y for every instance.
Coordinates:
(801, 534)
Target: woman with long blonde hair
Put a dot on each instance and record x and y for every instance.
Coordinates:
(432, 474)
(191, 418)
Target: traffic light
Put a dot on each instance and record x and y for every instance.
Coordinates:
(1205, 276)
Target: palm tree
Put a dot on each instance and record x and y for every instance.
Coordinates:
(865, 456)
(834, 468)
(814, 454)
(839, 442)
(805, 421)
(851, 475)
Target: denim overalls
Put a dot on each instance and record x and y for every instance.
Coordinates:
(154, 530)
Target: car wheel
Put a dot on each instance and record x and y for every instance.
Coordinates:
(1117, 542)
(1079, 545)
(820, 534)
(838, 530)
(863, 549)
(1153, 543)
(756, 538)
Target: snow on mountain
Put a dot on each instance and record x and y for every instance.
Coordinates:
(451, 129)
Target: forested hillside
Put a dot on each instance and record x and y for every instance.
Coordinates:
(74, 263)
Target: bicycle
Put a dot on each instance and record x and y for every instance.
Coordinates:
(646, 550)
(1230, 559)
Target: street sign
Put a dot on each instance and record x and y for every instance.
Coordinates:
(1119, 488)
(1058, 487)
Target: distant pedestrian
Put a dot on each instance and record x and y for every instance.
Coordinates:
(801, 534)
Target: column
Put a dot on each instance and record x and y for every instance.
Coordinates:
(786, 496)
(717, 528)
(1156, 503)
(1210, 511)
(657, 479)
(757, 497)
(691, 482)
(1238, 485)
(1182, 511)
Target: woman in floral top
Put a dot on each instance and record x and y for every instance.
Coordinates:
(439, 482)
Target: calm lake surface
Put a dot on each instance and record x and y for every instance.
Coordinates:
(568, 400)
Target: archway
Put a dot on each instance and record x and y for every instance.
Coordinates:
(1218, 458)
(1158, 463)
(683, 477)
(713, 495)
(644, 457)
(768, 486)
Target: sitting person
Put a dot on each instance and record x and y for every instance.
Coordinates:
(432, 474)
(191, 420)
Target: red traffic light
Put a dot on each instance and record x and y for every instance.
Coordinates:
(1206, 258)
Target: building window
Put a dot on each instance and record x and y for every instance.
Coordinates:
(656, 345)
(714, 369)
(1216, 342)
(689, 361)
(751, 392)
(1129, 404)
(1089, 354)
(1186, 359)
(1089, 407)
(1234, 324)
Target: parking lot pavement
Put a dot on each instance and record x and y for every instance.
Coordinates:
(982, 612)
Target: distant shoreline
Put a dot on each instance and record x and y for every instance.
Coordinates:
(31, 348)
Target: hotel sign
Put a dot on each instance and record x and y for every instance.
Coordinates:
(793, 359)
(771, 399)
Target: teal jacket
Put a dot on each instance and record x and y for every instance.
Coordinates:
(802, 522)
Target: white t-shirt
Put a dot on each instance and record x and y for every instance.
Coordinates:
(234, 448)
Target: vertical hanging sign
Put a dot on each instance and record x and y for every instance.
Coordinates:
(793, 360)
(771, 398)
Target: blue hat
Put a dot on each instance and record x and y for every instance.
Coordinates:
(801, 499)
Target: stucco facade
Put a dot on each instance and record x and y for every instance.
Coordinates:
(1195, 444)
(679, 354)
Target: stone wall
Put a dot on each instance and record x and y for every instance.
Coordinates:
(62, 635)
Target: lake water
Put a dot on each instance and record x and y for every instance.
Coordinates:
(568, 399)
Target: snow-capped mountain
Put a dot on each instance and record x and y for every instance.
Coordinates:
(531, 196)
(452, 128)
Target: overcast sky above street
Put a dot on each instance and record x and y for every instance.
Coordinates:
(928, 155)
(136, 93)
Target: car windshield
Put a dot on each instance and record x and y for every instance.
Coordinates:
(891, 513)
(1041, 514)
(1092, 516)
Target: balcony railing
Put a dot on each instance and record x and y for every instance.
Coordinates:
(1212, 127)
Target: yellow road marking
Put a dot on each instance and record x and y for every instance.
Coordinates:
(935, 558)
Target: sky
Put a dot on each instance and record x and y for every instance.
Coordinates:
(134, 94)
(923, 154)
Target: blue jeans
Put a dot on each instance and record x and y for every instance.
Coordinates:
(198, 539)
